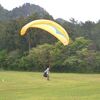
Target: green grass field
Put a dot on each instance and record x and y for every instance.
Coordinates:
(32, 86)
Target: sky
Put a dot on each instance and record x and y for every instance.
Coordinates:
(80, 10)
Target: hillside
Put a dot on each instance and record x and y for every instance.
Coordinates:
(23, 11)
(3, 13)
(38, 47)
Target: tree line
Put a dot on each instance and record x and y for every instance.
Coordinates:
(38, 49)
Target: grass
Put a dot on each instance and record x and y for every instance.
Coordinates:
(32, 86)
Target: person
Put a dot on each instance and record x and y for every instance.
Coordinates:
(46, 73)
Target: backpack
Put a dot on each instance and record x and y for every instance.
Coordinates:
(45, 74)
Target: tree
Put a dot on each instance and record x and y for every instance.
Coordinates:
(3, 56)
(41, 56)
(79, 56)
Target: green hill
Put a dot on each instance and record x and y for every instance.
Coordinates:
(23, 11)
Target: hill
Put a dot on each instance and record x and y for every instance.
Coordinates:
(3, 13)
(23, 11)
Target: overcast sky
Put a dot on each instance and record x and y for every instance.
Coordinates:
(81, 10)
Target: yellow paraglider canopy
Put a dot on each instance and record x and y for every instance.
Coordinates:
(50, 26)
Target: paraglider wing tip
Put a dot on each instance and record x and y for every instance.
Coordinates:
(22, 32)
(65, 44)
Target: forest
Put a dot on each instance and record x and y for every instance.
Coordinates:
(38, 49)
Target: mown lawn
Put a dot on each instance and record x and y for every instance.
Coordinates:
(32, 86)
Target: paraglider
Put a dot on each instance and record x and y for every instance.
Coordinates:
(50, 26)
